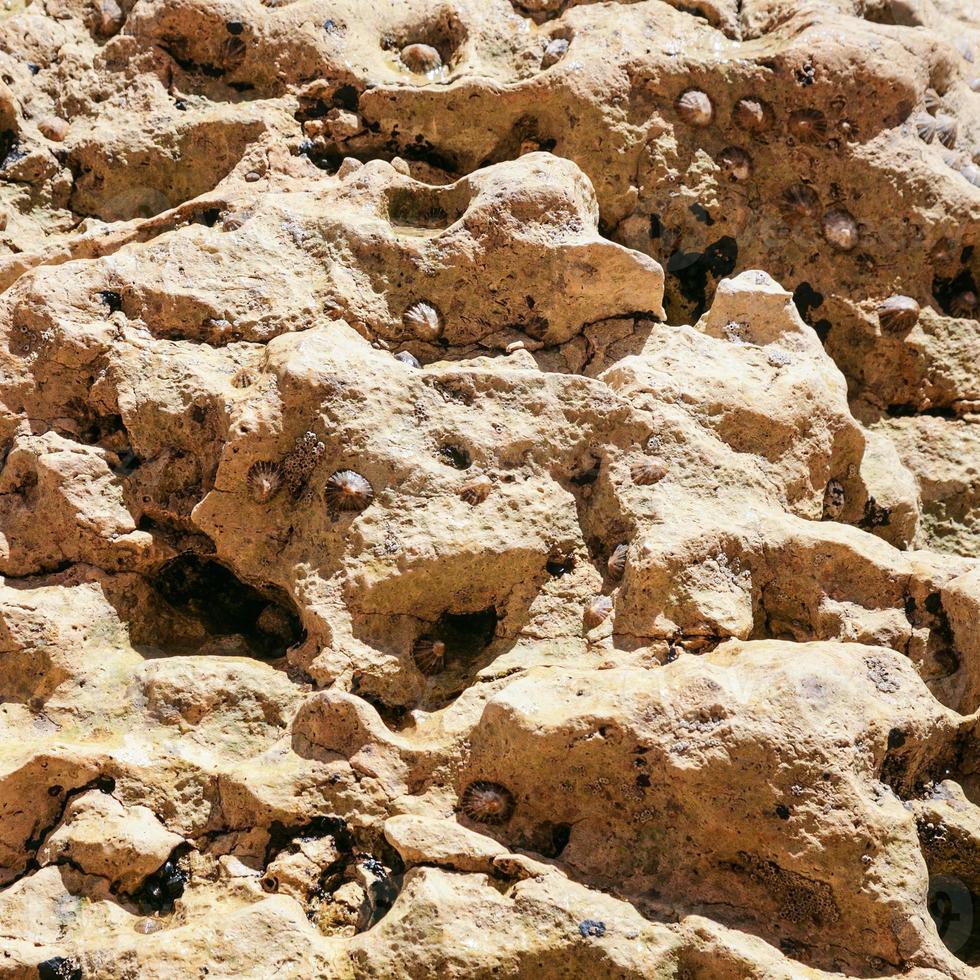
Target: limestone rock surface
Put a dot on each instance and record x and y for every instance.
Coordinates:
(490, 488)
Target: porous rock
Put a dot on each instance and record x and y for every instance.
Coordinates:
(543, 334)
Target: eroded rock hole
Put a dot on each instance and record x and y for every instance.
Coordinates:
(342, 887)
(441, 31)
(466, 635)
(458, 457)
(208, 610)
(692, 269)
(957, 296)
(806, 298)
(955, 910)
(161, 889)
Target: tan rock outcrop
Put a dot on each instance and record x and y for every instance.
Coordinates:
(489, 488)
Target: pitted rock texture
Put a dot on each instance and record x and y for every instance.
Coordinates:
(489, 488)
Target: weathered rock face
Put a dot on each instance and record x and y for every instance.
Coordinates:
(489, 489)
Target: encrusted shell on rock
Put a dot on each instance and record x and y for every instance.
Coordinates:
(695, 108)
(753, 114)
(407, 357)
(616, 565)
(833, 500)
(486, 802)
(898, 314)
(648, 471)
(424, 320)
(348, 491)
(840, 229)
(264, 480)
(971, 172)
(597, 611)
(477, 490)
(420, 59)
(735, 162)
(554, 52)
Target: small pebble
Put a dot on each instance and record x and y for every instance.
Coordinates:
(54, 127)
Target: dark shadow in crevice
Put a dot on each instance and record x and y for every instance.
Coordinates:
(204, 609)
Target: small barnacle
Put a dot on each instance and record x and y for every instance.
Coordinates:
(898, 314)
(694, 107)
(421, 58)
(424, 320)
(554, 52)
(964, 304)
(801, 200)
(487, 802)
(932, 101)
(301, 461)
(974, 84)
(926, 126)
(407, 357)
(807, 125)
(752, 114)
(963, 46)
(971, 172)
(947, 129)
(616, 565)
(833, 500)
(476, 491)
(347, 490)
(840, 229)
(429, 655)
(736, 162)
(648, 471)
(597, 611)
(263, 480)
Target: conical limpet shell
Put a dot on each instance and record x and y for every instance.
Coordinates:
(424, 321)
(736, 162)
(597, 611)
(347, 490)
(752, 114)
(616, 565)
(264, 480)
(807, 125)
(486, 802)
(648, 471)
(695, 108)
(898, 314)
(429, 655)
(840, 229)
(420, 59)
